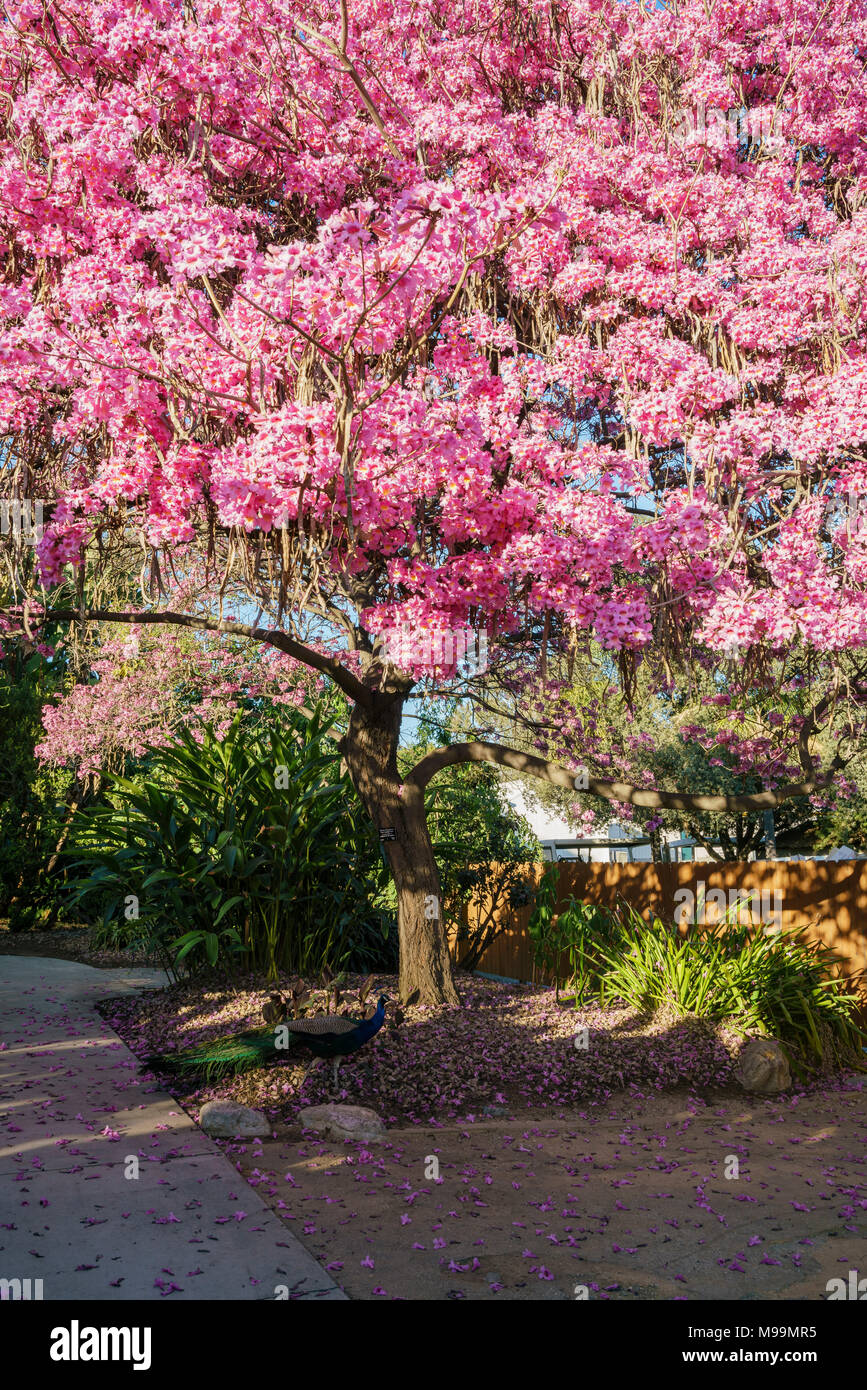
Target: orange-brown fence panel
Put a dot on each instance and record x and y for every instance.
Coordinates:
(828, 901)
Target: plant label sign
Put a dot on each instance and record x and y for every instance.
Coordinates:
(386, 832)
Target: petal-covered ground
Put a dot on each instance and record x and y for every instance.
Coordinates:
(639, 1198)
(108, 1190)
(519, 1165)
(506, 1045)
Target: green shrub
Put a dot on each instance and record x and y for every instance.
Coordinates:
(567, 944)
(31, 796)
(249, 849)
(485, 852)
(781, 985)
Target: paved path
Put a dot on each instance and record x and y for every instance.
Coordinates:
(76, 1120)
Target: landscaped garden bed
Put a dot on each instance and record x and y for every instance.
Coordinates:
(505, 1046)
(68, 943)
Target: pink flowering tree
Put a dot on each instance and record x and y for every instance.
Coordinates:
(723, 732)
(534, 322)
(147, 682)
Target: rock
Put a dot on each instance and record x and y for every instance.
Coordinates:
(343, 1122)
(224, 1119)
(763, 1067)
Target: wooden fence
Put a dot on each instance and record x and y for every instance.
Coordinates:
(828, 900)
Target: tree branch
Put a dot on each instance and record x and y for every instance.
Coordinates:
(327, 665)
(479, 751)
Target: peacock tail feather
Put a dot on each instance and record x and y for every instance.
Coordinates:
(222, 1057)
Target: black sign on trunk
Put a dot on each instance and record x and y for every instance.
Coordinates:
(386, 832)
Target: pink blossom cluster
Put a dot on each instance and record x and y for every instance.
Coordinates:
(407, 283)
(148, 682)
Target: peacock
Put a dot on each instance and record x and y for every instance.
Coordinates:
(325, 1035)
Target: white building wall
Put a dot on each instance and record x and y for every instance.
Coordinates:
(551, 829)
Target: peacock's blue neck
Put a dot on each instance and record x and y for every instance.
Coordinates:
(369, 1026)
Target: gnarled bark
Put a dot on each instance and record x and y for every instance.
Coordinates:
(370, 750)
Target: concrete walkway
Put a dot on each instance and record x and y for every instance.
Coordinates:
(78, 1122)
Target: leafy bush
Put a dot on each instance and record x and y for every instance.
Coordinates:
(782, 985)
(568, 944)
(255, 843)
(484, 851)
(31, 798)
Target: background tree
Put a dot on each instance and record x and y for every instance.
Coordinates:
(716, 738)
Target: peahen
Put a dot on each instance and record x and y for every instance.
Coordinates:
(325, 1035)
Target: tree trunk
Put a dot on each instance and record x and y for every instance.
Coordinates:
(370, 750)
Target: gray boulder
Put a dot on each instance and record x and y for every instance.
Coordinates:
(343, 1122)
(763, 1067)
(224, 1119)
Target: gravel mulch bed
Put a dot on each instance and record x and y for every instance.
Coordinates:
(65, 943)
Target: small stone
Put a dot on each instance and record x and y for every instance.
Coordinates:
(343, 1122)
(763, 1067)
(224, 1119)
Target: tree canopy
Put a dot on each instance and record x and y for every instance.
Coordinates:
(545, 321)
